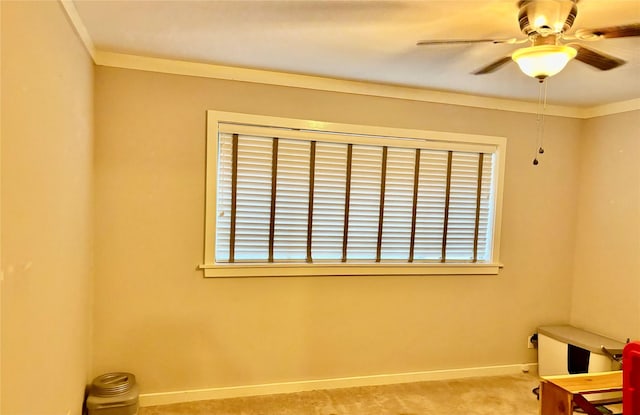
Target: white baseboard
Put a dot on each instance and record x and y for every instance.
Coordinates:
(165, 398)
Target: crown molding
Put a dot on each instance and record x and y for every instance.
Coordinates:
(206, 70)
(612, 108)
(77, 23)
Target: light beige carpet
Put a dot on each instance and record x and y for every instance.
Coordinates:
(499, 395)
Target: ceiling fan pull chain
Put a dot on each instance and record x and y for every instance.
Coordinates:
(538, 122)
(544, 110)
(542, 106)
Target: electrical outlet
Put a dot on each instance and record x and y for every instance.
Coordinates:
(532, 341)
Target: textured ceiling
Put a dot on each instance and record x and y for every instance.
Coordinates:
(367, 41)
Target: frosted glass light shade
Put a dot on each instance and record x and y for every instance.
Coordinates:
(543, 61)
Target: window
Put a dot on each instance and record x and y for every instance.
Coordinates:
(291, 197)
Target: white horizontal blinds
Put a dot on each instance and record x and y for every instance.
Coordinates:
(253, 200)
(364, 202)
(447, 200)
(347, 202)
(312, 178)
(486, 202)
(274, 183)
(234, 197)
(383, 182)
(398, 203)
(432, 183)
(292, 200)
(300, 200)
(477, 208)
(414, 204)
(223, 197)
(329, 201)
(462, 206)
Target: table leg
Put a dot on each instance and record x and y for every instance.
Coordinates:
(555, 400)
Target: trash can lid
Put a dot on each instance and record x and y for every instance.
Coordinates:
(110, 384)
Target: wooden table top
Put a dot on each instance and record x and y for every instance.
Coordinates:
(588, 382)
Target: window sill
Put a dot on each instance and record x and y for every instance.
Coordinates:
(327, 270)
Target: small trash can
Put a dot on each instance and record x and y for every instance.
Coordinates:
(113, 394)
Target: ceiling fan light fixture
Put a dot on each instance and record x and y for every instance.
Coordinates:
(543, 61)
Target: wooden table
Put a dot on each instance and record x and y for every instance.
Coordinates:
(559, 395)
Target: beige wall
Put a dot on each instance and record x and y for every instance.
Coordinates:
(606, 290)
(47, 123)
(157, 316)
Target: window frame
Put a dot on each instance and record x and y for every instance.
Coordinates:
(436, 139)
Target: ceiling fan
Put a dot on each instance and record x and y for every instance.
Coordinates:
(545, 23)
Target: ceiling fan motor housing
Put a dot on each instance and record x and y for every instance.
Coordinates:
(545, 17)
